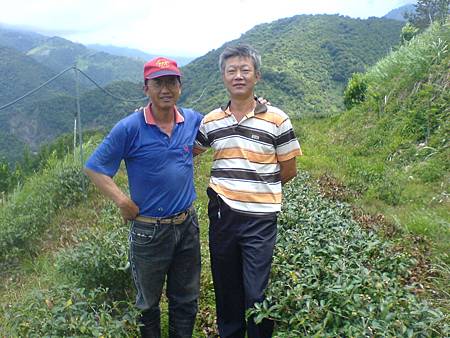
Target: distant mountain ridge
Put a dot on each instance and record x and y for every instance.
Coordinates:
(136, 53)
(399, 13)
(58, 53)
(307, 60)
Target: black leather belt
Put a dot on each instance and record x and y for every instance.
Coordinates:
(174, 219)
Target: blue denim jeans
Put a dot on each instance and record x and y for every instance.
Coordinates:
(166, 251)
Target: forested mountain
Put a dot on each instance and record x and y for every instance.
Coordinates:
(20, 73)
(136, 53)
(27, 60)
(399, 13)
(21, 40)
(58, 53)
(44, 120)
(306, 61)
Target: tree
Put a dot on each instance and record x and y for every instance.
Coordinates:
(429, 11)
(408, 32)
(4, 175)
(356, 90)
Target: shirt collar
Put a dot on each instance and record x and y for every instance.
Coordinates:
(259, 108)
(150, 119)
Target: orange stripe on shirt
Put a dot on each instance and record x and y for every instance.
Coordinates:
(271, 118)
(255, 157)
(247, 196)
(288, 156)
(214, 116)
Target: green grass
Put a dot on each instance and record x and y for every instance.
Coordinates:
(416, 206)
(76, 227)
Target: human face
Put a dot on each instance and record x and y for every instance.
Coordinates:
(163, 91)
(239, 77)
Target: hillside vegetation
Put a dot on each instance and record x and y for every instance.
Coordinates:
(45, 120)
(391, 150)
(67, 275)
(306, 62)
(363, 242)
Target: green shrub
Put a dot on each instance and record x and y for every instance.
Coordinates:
(429, 171)
(67, 312)
(408, 32)
(356, 90)
(330, 278)
(101, 259)
(388, 190)
(29, 210)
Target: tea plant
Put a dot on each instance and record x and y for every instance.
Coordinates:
(67, 312)
(99, 260)
(27, 212)
(331, 278)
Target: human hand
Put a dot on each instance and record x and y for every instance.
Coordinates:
(262, 100)
(129, 210)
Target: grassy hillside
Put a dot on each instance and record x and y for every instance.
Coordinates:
(392, 149)
(66, 273)
(306, 61)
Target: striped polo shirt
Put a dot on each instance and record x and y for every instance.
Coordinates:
(246, 169)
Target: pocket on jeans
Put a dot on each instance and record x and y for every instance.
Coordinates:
(142, 235)
(194, 220)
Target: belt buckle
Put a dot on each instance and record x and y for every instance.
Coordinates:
(181, 217)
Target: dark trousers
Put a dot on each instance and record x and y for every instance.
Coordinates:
(166, 253)
(241, 249)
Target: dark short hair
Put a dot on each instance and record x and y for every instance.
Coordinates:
(242, 51)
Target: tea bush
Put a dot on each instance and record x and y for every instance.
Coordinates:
(28, 211)
(67, 312)
(330, 278)
(101, 259)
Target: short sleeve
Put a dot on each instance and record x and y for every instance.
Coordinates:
(108, 155)
(287, 145)
(201, 140)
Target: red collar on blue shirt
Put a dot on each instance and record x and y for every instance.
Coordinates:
(150, 119)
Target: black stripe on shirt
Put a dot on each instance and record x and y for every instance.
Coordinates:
(246, 175)
(202, 139)
(256, 135)
(286, 137)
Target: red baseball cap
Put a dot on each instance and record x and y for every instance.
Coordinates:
(160, 66)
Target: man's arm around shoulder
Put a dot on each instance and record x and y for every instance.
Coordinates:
(109, 188)
(288, 170)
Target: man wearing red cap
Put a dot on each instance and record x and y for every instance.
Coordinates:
(156, 144)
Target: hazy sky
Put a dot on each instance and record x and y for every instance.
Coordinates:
(172, 27)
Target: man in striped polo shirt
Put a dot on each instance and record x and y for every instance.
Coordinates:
(254, 154)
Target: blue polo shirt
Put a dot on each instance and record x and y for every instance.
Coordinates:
(160, 168)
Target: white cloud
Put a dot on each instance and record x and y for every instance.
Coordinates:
(177, 27)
